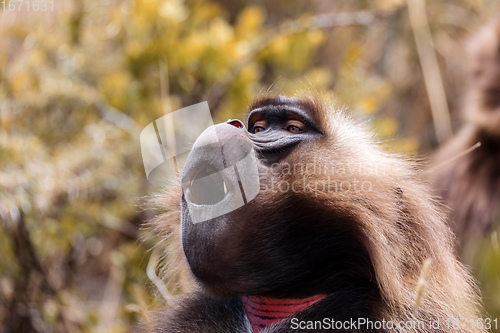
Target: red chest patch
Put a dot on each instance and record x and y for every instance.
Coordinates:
(262, 312)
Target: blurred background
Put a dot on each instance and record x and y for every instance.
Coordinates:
(80, 79)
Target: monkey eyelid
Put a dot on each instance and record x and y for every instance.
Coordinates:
(295, 123)
(253, 118)
(258, 124)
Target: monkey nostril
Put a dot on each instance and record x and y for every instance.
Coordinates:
(235, 123)
(207, 186)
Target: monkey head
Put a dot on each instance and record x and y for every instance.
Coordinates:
(281, 238)
(331, 209)
(483, 107)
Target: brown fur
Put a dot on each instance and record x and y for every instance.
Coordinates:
(389, 230)
(470, 185)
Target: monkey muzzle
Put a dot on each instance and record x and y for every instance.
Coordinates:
(220, 174)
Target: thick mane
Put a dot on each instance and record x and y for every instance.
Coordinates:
(402, 233)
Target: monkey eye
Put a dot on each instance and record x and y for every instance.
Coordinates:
(293, 129)
(259, 126)
(295, 126)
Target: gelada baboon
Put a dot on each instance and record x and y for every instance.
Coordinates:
(341, 236)
(470, 184)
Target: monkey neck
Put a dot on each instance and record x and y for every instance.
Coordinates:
(263, 312)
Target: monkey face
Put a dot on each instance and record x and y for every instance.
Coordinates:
(483, 98)
(283, 233)
(484, 54)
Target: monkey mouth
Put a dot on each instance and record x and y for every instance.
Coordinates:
(206, 185)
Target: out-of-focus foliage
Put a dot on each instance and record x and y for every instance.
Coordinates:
(76, 88)
(487, 270)
(78, 84)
